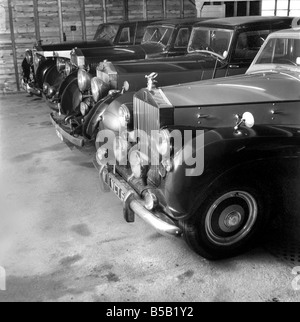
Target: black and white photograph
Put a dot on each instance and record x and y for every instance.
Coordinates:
(150, 154)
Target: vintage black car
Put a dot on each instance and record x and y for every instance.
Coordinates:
(208, 160)
(42, 60)
(220, 56)
(166, 38)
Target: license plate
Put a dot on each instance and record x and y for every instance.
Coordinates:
(116, 189)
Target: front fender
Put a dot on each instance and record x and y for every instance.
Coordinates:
(92, 120)
(42, 71)
(111, 119)
(71, 98)
(256, 153)
(65, 83)
(53, 78)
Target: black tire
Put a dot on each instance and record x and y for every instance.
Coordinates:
(229, 222)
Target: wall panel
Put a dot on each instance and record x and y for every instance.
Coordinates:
(34, 19)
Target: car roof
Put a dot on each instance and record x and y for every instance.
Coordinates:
(236, 22)
(287, 33)
(183, 21)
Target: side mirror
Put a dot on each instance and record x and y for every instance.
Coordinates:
(247, 119)
(298, 61)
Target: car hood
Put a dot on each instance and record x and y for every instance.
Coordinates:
(162, 65)
(262, 87)
(71, 45)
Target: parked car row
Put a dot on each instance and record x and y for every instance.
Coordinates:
(205, 158)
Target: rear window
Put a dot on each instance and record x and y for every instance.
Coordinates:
(106, 32)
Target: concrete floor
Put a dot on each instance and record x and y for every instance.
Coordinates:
(62, 239)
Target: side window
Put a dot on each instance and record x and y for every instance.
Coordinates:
(182, 39)
(125, 36)
(140, 33)
(248, 44)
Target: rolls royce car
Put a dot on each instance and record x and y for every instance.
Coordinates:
(209, 160)
(161, 39)
(217, 48)
(40, 61)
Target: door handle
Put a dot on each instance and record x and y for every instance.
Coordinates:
(278, 112)
(234, 66)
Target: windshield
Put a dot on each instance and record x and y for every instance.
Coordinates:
(280, 51)
(158, 35)
(214, 40)
(106, 32)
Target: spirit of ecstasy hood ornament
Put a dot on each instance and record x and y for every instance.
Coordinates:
(151, 81)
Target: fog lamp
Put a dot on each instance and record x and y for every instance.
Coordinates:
(51, 91)
(167, 164)
(150, 201)
(124, 115)
(84, 80)
(84, 108)
(138, 163)
(120, 150)
(101, 155)
(45, 88)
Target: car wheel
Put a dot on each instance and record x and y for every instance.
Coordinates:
(228, 222)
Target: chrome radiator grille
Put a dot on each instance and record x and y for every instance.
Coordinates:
(147, 119)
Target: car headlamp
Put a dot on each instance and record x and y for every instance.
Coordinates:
(29, 56)
(61, 64)
(99, 88)
(38, 59)
(84, 80)
(124, 115)
(84, 108)
(68, 68)
(163, 142)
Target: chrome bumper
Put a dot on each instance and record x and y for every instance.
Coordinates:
(30, 89)
(65, 136)
(135, 204)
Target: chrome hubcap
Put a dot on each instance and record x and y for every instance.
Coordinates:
(231, 218)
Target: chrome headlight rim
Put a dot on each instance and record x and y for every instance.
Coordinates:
(84, 80)
(61, 64)
(124, 115)
(163, 142)
(29, 56)
(68, 68)
(98, 88)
